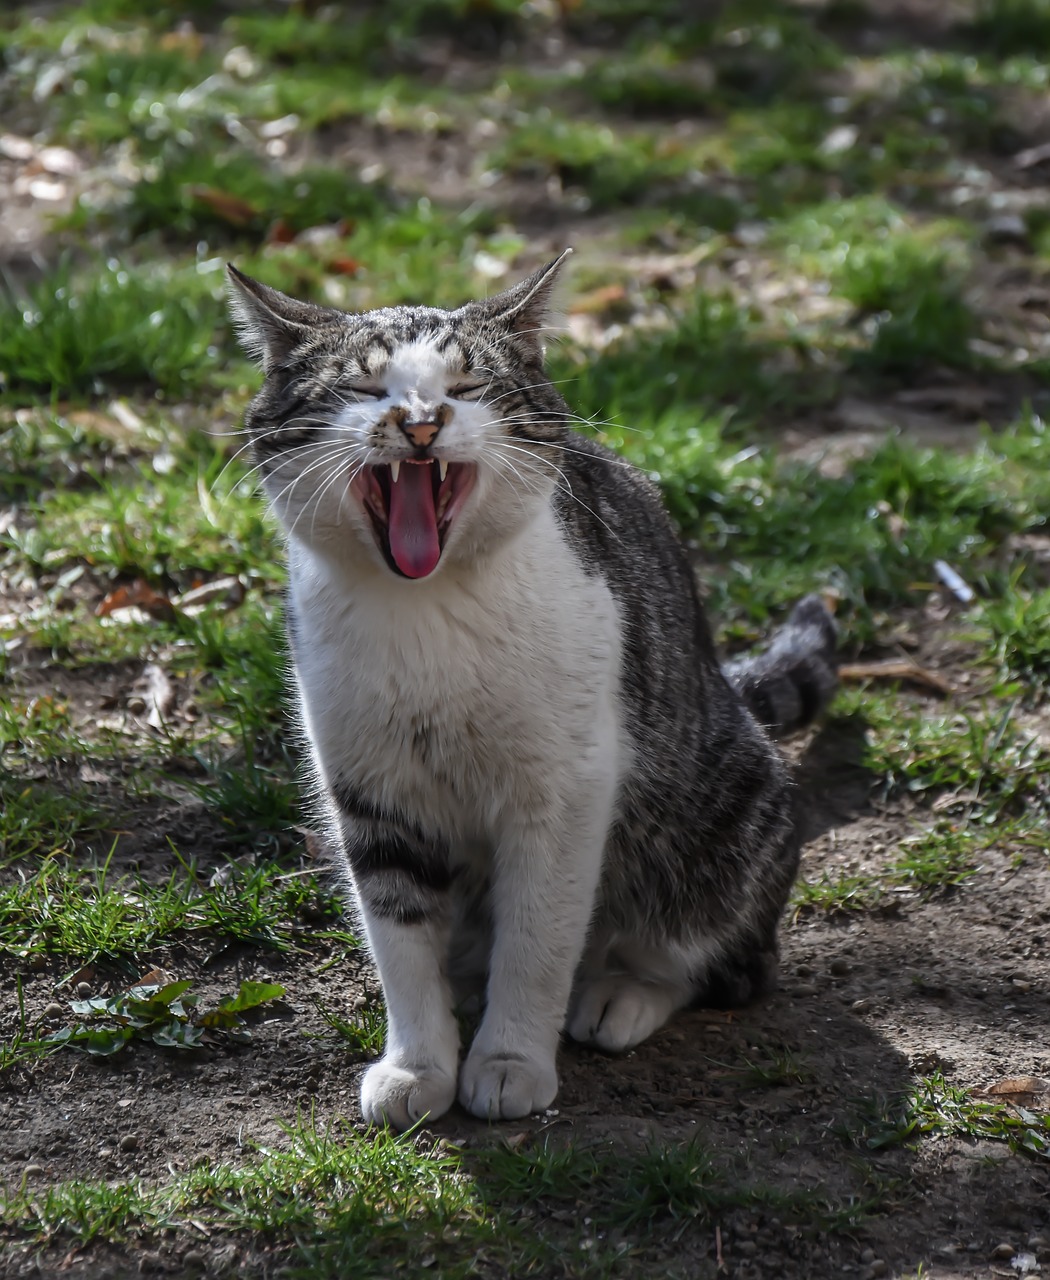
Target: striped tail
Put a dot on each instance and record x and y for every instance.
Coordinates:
(789, 684)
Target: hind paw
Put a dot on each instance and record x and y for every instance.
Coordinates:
(616, 1013)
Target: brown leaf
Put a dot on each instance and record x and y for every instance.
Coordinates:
(184, 39)
(155, 977)
(281, 232)
(598, 300)
(343, 266)
(230, 208)
(137, 594)
(1014, 1086)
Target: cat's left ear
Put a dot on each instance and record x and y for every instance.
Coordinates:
(269, 323)
(526, 307)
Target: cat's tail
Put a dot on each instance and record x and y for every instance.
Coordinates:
(791, 682)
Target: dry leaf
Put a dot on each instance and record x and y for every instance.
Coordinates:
(281, 232)
(343, 266)
(137, 594)
(1014, 1086)
(598, 300)
(155, 977)
(230, 208)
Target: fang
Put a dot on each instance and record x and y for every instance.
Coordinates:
(395, 471)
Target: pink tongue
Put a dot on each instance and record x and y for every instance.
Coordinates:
(413, 522)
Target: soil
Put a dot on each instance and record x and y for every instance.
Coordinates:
(958, 983)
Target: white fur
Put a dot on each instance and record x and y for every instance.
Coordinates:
(524, 649)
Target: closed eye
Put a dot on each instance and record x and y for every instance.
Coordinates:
(467, 390)
(368, 389)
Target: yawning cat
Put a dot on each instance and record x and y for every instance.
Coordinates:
(539, 774)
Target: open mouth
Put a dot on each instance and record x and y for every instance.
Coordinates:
(412, 505)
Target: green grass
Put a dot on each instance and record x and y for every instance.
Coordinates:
(83, 915)
(73, 332)
(339, 1202)
(936, 1107)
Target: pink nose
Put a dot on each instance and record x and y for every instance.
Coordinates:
(421, 433)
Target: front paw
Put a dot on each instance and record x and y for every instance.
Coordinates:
(506, 1086)
(400, 1096)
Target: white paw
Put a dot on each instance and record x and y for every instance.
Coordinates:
(504, 1087)
(616, 1013)
(399, 1096)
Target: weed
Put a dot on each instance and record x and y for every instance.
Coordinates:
(166, 1014)
(364, 1033)
(934, 1106)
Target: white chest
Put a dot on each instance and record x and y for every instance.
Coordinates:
(461, 696)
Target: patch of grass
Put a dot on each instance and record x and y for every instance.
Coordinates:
(977, 760)
(935, 1106)
(1019, 623)
(85, 915)
(614, 168)
(905, 280)
(1005, 27)
(194, 194)
(41, 821)
(73, 332)
(941, 857)
(364, 1033)
(838, 894)
(339, 1202)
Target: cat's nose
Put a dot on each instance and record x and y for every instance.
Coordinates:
(420, 433)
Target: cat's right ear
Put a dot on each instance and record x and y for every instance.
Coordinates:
(269, 324)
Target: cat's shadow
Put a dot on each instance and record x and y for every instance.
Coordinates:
(834, 784)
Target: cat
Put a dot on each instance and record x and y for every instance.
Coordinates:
(539, 776)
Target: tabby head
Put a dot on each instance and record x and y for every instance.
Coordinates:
(405, 439)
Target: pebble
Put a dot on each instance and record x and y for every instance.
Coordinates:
(33, 1169)
(1003, 1250)
(867, 1257)
(1022, 985)
(804, 970)
(1038, 1244)
(136, 705)
(53, 1011)
(861, 1006)
(805, 989)
(105, 1152)
(746, 1247)
(83, 991)
(1007, 228)
(839, 967)
(129, 1142)
(194, 1258)
(37, 961)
